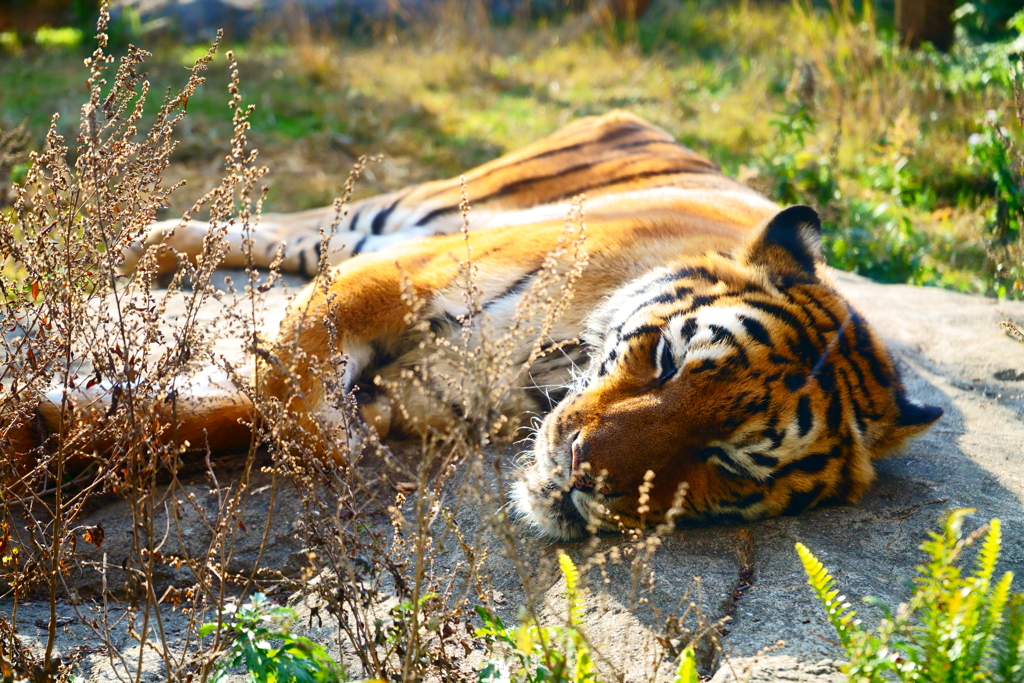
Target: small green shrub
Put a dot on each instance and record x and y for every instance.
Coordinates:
(541, 653)
(262, 643)
(954, 628)
(995, 151)
(861, 236)
(555, 654)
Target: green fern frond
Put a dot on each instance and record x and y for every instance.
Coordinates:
(584, 671)
(572, 592)
(993, 614)
(956, 628)
(998, 601)
(686, 672)
(1009, 647)
(836, 609)
(988, 556)
(977, 609)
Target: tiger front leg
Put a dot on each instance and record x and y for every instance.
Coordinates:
(315, 381)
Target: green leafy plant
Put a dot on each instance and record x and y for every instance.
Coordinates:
(861, 236)
(262, 643)
(540, 653)
(793, 171)
(954, 628)
(995, 152)
(551, 653)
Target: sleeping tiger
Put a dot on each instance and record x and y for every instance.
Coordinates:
(713, 351)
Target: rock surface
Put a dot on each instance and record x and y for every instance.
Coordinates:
(951, 352)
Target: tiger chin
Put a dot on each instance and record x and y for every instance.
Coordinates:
(729, 387)
(723, 374)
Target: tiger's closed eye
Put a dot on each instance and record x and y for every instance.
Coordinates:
(664, 362)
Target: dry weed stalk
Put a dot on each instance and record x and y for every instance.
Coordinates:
(70, 317)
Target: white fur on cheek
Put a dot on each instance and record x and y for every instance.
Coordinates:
(542, 512)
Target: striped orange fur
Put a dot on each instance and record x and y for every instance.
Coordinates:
(715, 353)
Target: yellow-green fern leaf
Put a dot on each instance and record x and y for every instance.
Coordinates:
(686, 672)
(988, 556)
(836, 609)
(572, 591)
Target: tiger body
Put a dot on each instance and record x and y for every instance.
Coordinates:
(704, 348)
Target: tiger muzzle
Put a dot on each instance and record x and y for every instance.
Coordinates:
(580, 478)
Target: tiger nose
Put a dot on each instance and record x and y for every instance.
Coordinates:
(582, 480)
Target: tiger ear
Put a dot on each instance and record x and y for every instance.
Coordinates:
(913, 415)
(912, 418)
(789, 243)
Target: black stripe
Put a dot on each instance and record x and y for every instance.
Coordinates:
(729, 474)
(867, 350)
(699, 165)
(688, 329)
(764, 460)
(804, 347)
(759, 405)
(751, 499)
(705, 366)
(801, 500)
(302, 261)
(377, 225)
(794, 382)
(668, 363)
(814, 301)
(826, 378)
(609, 136)
(756, 331)
(515, 288)
(517, 185)
(834, 415)
(809, 464)
(804, 418)
(858, 414)
(689, 273)
(701, 301)
(358, 248)
(436, 213)
(640, 331)
(443, 324)
(862, 383)
(663, 298)
(706, 454)
(355, 219)
(775, 436)
(722, 335)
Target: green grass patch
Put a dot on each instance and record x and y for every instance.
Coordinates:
(884, 153)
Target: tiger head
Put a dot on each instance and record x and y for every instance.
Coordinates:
(727, 386)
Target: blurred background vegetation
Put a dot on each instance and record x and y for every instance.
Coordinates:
(909, 151)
